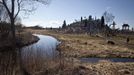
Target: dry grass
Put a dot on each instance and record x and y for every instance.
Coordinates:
(109, 68)
(70, 67)
(82, 45)
(9, 63)
(74, 45)
(22, 39)
(10, 58)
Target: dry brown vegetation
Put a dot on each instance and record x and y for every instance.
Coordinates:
(22, 39)
(10, 58)
(82, 45)
(26, 38)
(71, 66)
(74, 46)
(9, 63)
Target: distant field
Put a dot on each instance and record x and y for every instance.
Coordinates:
(82, 45)
(75, 46)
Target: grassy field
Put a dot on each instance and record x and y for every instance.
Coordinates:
(81, 45)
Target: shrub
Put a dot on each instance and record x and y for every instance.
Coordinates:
(5, 29)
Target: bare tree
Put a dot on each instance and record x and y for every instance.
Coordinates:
(108, 17)
(13, 8)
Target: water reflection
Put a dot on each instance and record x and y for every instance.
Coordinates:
(36, 55)
(45, 47)
(95, 60)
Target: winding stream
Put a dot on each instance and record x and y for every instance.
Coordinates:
(46, 48)
(95, 60)
(36, 55)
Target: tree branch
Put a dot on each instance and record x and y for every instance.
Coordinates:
(18, 8)
(5, 5)
(13, 6)
(1, 2)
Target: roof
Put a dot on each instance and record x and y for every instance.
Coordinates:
(125, 25)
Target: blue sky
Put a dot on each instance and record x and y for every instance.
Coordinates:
(52, 15)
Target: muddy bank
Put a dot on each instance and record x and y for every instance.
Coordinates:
(28, 41)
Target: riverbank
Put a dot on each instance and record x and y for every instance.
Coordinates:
(82, 45)
(75, 68)
(10, 58)
(26, 39)
(22, 39)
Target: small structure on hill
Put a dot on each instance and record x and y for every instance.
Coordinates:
(125, 27)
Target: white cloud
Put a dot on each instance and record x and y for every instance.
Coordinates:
(55, 23)
(32, 23)
(43, 23)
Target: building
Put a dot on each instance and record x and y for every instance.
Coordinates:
(125, 27)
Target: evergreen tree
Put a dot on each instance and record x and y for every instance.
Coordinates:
(102, 21)
(64, 24)
(85, 23)
(81, 19)
(90, 18)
